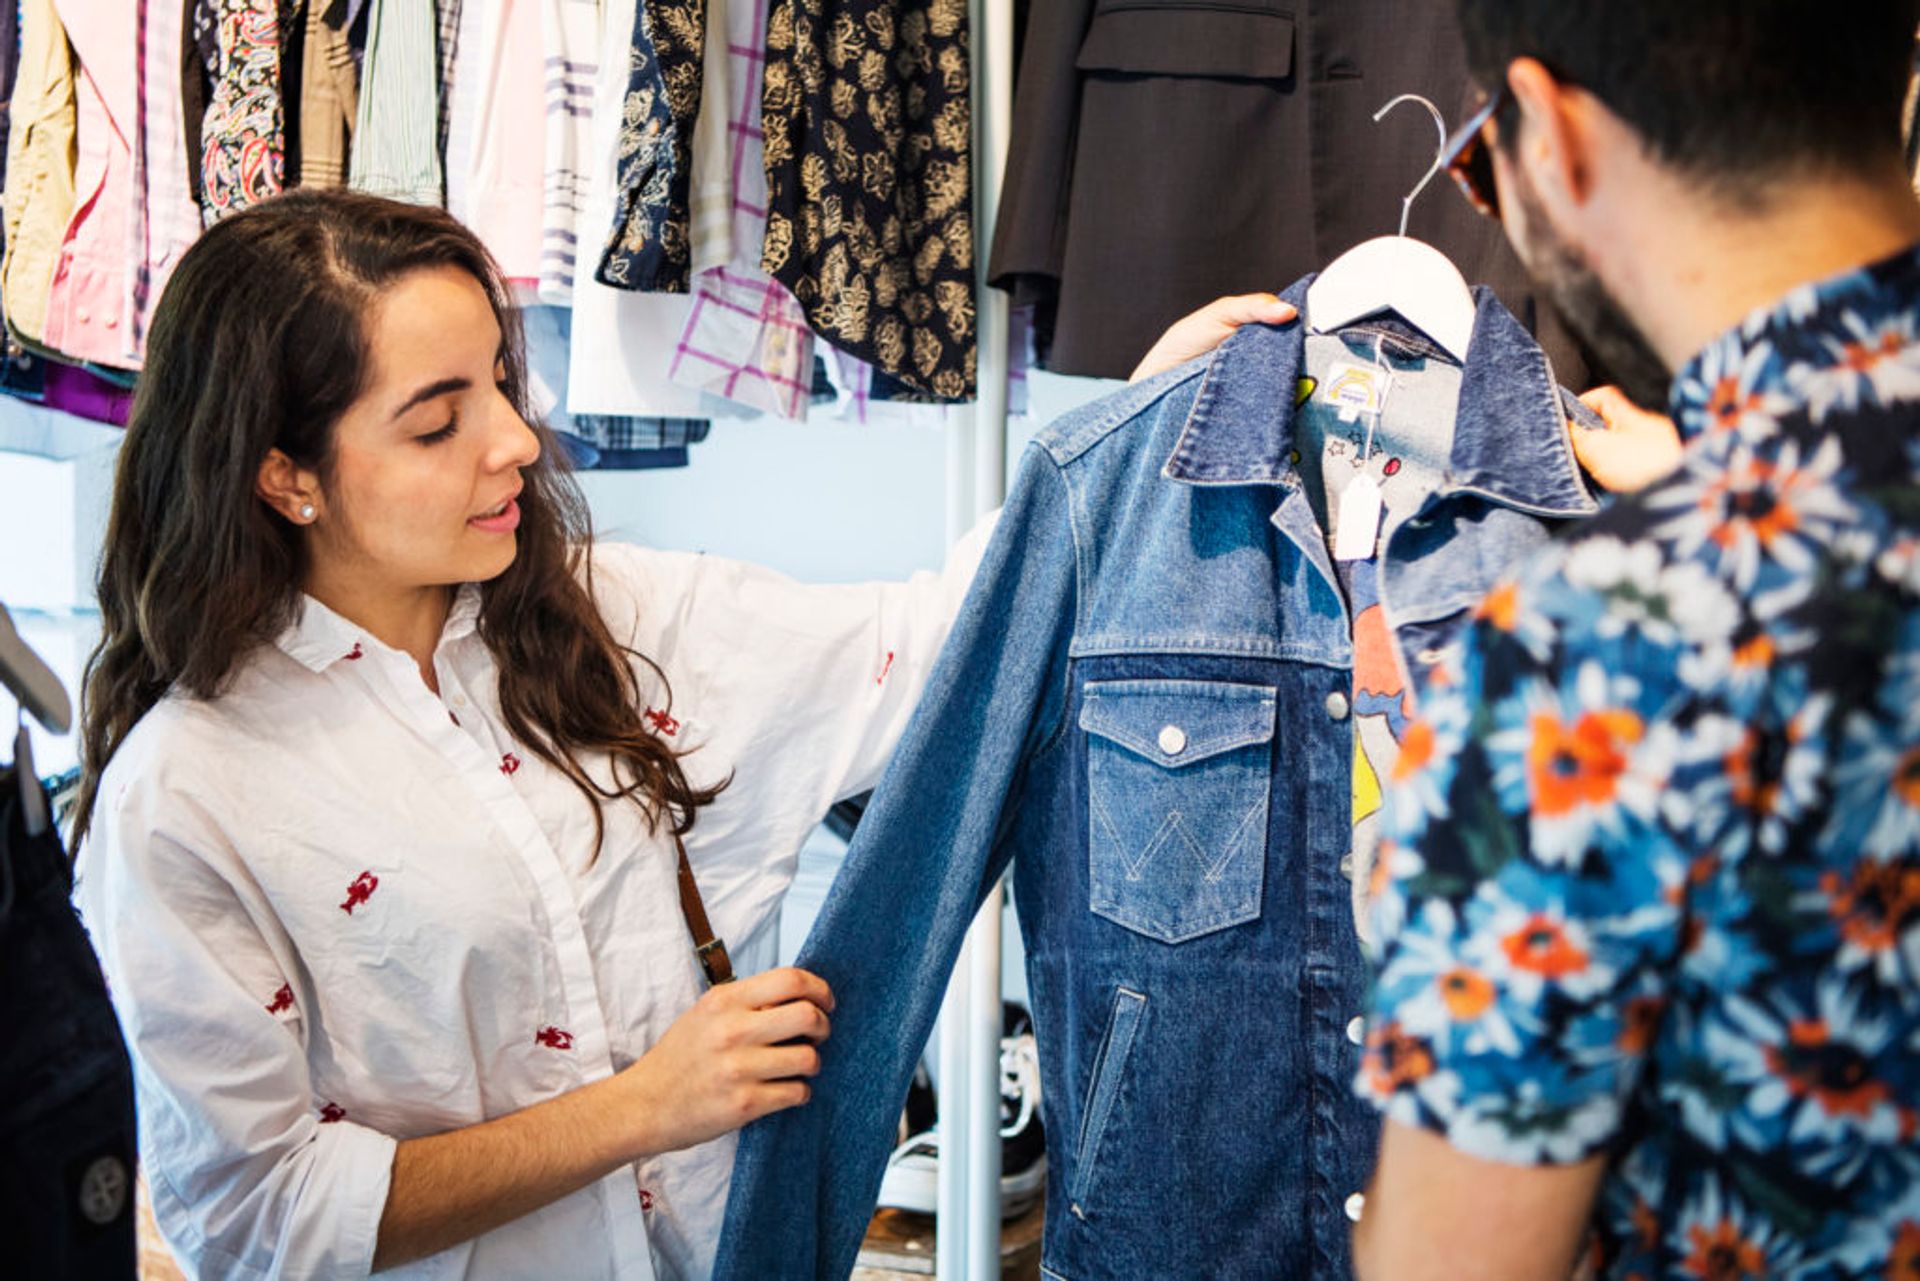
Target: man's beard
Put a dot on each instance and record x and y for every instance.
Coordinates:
(1620, 349)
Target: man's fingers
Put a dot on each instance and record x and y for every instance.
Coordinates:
(777, 987)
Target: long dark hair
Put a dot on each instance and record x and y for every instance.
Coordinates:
(259, 343)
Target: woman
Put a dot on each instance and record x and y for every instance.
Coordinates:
(386, 765)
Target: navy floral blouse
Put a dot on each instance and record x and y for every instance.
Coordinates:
(1653, 887)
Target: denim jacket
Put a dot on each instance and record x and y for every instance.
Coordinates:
(1146, 700)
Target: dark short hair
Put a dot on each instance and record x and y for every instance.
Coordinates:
(1734, 92)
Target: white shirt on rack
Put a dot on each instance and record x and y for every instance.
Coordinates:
(336, 911)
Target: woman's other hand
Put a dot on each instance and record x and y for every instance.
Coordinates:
(744, 1050)
(1199, 333)
(1638, 447)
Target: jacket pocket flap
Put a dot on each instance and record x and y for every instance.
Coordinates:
(1177, 723)
(1228, 41)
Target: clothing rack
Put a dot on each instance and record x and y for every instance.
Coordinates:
(967, 1227)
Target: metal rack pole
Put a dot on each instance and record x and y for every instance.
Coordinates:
(968, 1227)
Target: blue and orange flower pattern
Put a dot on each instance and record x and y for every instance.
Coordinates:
(1651, 882)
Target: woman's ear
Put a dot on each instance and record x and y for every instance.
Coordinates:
(284, 486)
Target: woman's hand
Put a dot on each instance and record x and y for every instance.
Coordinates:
(1638, 447)
(728, 1061)
(1213, 324)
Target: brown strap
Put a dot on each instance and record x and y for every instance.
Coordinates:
(711, 951)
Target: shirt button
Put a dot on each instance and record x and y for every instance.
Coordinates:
(1337, 705)
(82, 315)
(459, 700)
(1356, 1206)
(1428, 657)
(1346, 865)
(1173, 740)
(1357, 1030)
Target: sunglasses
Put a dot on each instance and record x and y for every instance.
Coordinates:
(1469, 160)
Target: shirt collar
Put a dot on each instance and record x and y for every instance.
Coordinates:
(1510, 439)
(317, 638)
(1761, 364)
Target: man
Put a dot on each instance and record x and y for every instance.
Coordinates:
(1649, 930)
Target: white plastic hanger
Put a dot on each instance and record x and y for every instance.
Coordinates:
(1398, 274)
(41, 695)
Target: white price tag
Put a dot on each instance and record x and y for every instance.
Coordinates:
(1357, 529)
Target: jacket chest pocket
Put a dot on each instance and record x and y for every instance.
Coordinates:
(1178, 779)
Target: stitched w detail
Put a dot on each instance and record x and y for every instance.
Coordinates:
(1173, 830)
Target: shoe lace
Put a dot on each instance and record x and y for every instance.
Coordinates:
(1019, 1079)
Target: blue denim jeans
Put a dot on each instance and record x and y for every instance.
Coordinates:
(1145, 707)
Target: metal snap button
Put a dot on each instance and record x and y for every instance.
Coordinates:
(1337, 706)
(1173, 740)
(1356, 1206)
(1346, 865)
(1428, 657)
(1357, 1030)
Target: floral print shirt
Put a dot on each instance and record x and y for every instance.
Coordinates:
(1653, 881)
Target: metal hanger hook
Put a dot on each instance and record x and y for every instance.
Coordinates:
(1439, 155)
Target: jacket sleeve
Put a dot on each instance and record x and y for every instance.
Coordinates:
(925, 854)
(247, 1180)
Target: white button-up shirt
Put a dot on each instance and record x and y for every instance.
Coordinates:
(336, 911)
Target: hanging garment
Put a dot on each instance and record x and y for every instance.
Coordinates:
(608, 442)
(746, 338)
(399, 924)
(39, 193)
(572, 32)
(623, 342)
(1165, 154)
(1149, 695)
(467, 79)
(9, 71)
(89, 299)
(66, 1086)
(329, 96)
(447, 30)
(396, 134)
(649, 249)
(163, 219)
(868, 145)
(242, 149)
(505, 201)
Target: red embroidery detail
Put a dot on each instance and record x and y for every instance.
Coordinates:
(331, 1113)
(356, 654)
(646, 1200)
(282, 1000)
(553, 1038)
(360, 891)
(885, 668)
(1392, 468)
(509, 764)
(663, 723)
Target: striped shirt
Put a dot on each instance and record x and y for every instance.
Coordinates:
(396, 137)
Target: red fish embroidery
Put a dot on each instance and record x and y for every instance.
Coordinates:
(360, 891)
(509, 764)
(553, 1038)
(356, 654)
(646, 1200)
(282, 1000)
(885, 668)
(663, 723)
(331, 1113)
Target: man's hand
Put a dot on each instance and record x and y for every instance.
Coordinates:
(1213, 324)
(1637, 449)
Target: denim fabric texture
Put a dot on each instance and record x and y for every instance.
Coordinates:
(66, 1085)
(1145, 708)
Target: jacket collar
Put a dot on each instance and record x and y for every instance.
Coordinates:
(1510, 441)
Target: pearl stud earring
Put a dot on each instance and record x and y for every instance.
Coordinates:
(306, 511)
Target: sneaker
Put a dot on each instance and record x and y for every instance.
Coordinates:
(912, 1179)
